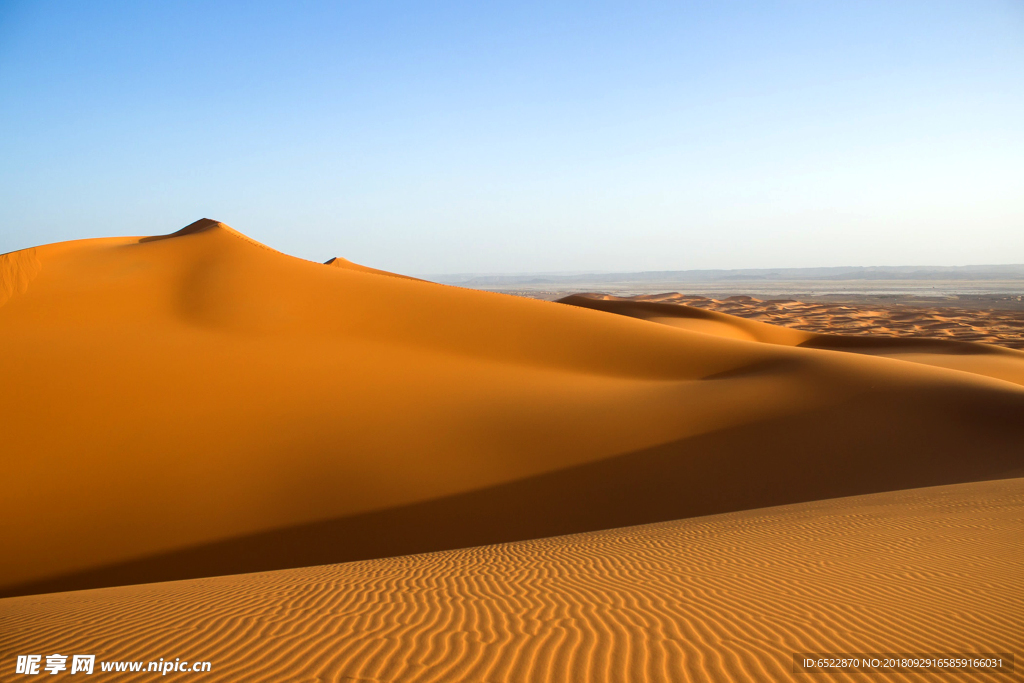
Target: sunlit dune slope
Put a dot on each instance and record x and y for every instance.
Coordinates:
(983, 359)
(199, 404)
(722, 598)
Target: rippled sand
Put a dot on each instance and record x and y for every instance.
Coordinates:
(724, 598)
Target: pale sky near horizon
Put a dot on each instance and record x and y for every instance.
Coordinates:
(524, 137)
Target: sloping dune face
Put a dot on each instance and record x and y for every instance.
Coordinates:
(17, 269)
(200, 404)
(723, 598)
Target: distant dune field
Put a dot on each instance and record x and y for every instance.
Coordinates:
(722, 598)
(909, 336)
(948, 323)
(199, 404)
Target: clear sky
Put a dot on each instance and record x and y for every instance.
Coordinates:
(486, 137)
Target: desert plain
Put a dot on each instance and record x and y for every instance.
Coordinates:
(323, 471)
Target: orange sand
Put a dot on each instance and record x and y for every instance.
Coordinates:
(200, 404)
(723, 598)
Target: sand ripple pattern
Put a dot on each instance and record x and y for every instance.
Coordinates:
(727, 597)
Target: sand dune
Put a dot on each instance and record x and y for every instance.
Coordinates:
(199, 404)
(984, 359)
(999, 327)
(722, 598)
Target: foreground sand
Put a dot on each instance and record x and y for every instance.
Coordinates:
(200, 404)
(725, 598)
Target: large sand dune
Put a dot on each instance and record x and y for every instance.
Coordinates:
(200, 404)
(722, 598)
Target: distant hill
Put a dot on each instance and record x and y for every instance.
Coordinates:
(989, 272)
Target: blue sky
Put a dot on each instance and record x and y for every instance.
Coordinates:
(524, 137)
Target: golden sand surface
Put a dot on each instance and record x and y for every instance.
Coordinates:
(199, 404)
(993, 326)
(729, 597)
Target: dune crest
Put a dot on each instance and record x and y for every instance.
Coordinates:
(198, 406)
(207, 225)
(339, 262)
(201, 225)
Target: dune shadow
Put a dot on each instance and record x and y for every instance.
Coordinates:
(865, 446)
(879, 344)
(641, 309)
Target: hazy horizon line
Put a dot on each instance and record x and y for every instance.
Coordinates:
(763, 271)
